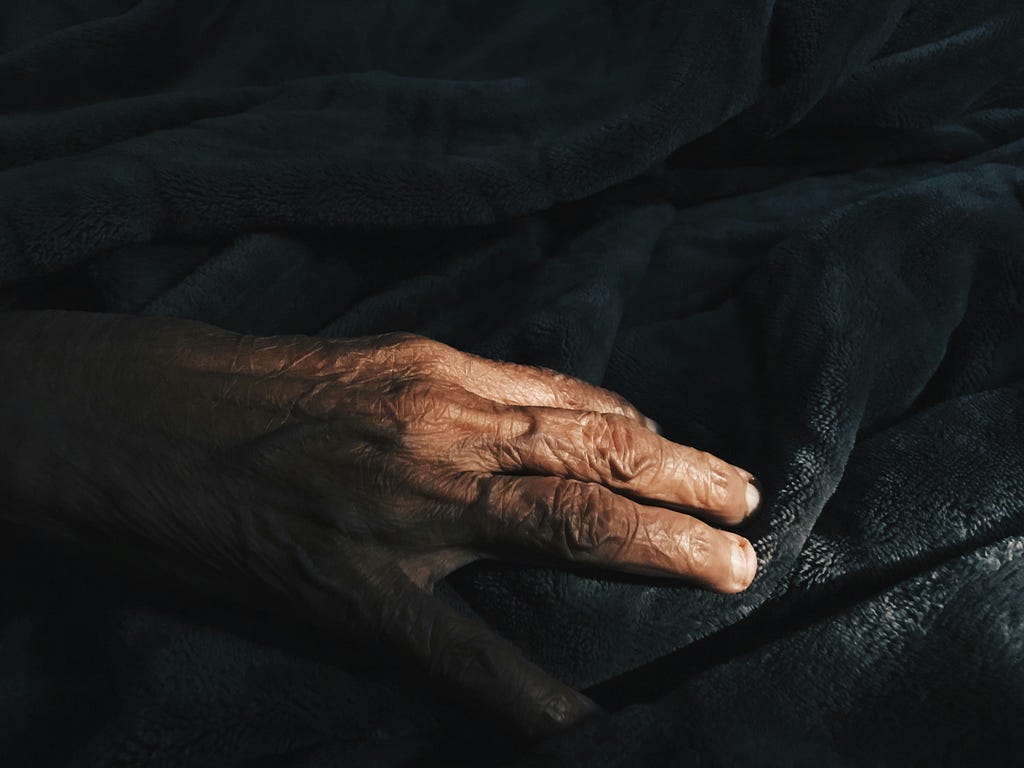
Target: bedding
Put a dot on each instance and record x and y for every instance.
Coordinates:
(790, 231)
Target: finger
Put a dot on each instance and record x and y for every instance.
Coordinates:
(515, 384)
(481, 667)
(587, 524)
(611, 450)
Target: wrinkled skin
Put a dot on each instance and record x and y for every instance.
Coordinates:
(342, 479)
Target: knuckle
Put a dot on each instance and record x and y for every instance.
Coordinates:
(410, 353)
(516, 434)
(645, 458)
(577, 518)
(426, 354)
(418, 406)
(616, 454)
(710, 485)
(555, 378)
(397, 339)
(409, 419)
(523, 423)
(626, 408)
(615, 404)
(599, 441)
(388, 348)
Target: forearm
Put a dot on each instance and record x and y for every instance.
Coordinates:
(45, 402)
(79, 466)
(340, 480)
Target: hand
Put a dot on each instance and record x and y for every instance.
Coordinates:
(345, 478)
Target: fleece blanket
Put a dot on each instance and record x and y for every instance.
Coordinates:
(790, 231)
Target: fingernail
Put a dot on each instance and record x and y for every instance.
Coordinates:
(567, 711)
(652, 425)
(753, 497)
(744, 564)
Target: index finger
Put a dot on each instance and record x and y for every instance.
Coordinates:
(517, 384)
(613, 451)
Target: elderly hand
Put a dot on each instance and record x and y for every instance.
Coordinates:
(344, 478)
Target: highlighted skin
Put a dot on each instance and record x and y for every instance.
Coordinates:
(341, 479)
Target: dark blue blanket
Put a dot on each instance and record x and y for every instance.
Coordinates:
(791, 231)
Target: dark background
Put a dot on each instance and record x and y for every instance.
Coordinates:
(791, 232)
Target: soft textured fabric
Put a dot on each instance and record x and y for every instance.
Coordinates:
(792, 232)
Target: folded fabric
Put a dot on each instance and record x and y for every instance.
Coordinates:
(790, 231)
